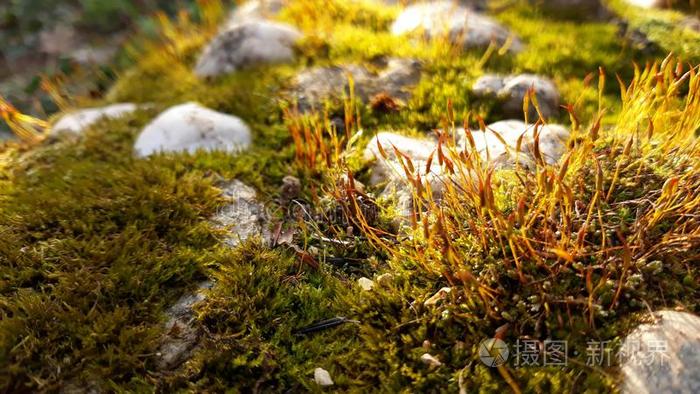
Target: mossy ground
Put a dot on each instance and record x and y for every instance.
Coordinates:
(96, 244)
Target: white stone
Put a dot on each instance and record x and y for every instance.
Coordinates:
(648, 3)
(248, 44)
(365, 283)
(243, 216)
(390, 172)
(552, 142)
(512, 89)
(663, 356)
(255, 9)
(437, 297)
(491, 149)
(80, 120)
(419, 150)
(322, 377)
(190, 127)
(462, 25)
(430, 360)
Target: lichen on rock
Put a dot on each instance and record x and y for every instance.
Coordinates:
(242, 216)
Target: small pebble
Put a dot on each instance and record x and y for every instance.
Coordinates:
(430, 360)
(365, 283)
(437, 297)
(322, 377)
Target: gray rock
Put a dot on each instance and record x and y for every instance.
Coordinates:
(78, 121)
(478, 5)
(511, 90)
(182, 332)
(243, 216)
(314, 87)
(577, 9)
(662, 356)
(255, 9)
(397, 76)
(248, 44)
(462, 25)
(190, 127)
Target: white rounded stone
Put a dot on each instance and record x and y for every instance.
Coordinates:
(365, 283)
(552, 142)
(190, 127)
(322, 377)
(418, 150)
(80, 120)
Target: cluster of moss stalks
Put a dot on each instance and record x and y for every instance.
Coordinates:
(96, 244)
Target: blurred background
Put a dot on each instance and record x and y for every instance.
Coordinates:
(77, 41)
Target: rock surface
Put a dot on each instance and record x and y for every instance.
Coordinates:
(663, 356)
(473, 4)
(511, 90)
(312, 88)
(255, 9)
(248, 44)
(578, 9)
(390, 173)
(181, 330)
(418, 150)
(80, 120)
(243, 216)
(462, 25)
(190, 127)
(552, 143)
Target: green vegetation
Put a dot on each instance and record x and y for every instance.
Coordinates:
(96, 244)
